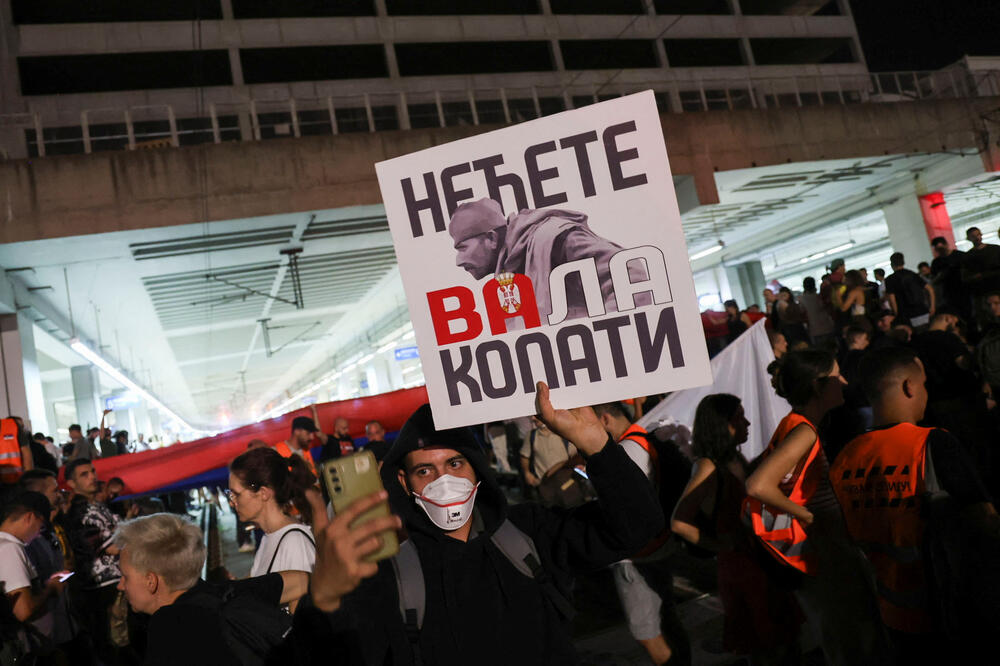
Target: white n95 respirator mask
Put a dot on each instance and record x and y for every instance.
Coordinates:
(448, 501)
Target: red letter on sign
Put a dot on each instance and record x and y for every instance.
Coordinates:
(465, 311)
(510, 295)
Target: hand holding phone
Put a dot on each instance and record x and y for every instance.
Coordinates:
(350, 478)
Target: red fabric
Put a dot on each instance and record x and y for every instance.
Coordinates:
(937, 222)
(714, 324)
(148, 470)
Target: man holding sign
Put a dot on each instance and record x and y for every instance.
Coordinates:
(480, 581)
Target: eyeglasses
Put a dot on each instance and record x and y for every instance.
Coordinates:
(233, 496)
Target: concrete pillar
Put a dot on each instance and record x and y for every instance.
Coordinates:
(22, 381)
(142, 422)
(746, 283)
(937, 222)
(86, 395)
(907, 233)
(395, 372)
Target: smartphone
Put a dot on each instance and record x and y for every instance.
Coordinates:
(350, 478)
(63, 575)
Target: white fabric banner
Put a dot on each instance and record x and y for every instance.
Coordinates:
(547, 251)
(739, 369)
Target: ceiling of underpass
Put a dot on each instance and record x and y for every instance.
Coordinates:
(180, 308)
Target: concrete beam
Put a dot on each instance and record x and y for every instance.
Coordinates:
(84, 194)
(86, 38)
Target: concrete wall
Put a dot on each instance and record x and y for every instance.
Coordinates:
(85, 194)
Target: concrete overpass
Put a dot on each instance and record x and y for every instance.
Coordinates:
(115, 191)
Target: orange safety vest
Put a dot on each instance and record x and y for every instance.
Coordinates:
(637, 434)
(879, 482)
(11, 465)
(781, 533)
(286, 452)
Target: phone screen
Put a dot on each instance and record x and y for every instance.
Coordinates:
(63, 577)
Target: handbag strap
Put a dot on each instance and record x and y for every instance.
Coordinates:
(277, 548)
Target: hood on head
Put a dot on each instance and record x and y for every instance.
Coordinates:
(419, 432)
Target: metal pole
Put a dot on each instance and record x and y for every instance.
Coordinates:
(295, 117)
(174, 139)
(85, 126)
(333, 115)
(216, 134)
(440, 108)
(39, 134)
(130, 130)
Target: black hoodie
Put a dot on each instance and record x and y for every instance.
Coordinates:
(479, 608)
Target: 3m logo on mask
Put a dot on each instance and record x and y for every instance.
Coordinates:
(448, 501)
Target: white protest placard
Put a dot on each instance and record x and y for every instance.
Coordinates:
(547, 251)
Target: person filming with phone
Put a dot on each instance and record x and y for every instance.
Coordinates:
(482, 582)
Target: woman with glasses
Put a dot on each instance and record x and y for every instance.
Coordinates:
(266, 489)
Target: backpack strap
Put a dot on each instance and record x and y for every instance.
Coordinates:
(520, 550)
(277, 549)
(531, 455)
(412, 595)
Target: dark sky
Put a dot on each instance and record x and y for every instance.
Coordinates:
(926, 34)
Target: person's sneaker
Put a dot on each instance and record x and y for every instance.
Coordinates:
(247, 548)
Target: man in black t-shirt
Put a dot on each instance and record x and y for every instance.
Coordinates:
(980, 270)
(946, 273)
(909, 295)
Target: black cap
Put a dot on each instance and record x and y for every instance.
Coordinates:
(304, 423)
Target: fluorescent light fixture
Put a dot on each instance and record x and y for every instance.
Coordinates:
(386, 347)
(365, 359)
(706, 252)
(113, 372)
(412, 368)
(409, 335)
(840, 248)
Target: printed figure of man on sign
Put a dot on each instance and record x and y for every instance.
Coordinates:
(533, 242)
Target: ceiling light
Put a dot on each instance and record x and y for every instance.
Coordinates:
(113, 372)
(365, 359)
(706, 252)
(386, 347)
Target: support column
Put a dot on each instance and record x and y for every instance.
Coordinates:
(86, 395)
(746, 282)
(907, 233)
(937, 222)
(21, 386)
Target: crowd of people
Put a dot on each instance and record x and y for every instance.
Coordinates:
(868, 518)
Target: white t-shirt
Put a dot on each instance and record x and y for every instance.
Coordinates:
(17, 572)
(297, 553)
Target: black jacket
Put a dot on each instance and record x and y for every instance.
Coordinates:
(479, 608)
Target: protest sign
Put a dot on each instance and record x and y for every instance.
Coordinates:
(546, 251)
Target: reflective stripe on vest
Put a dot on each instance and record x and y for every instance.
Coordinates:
(11, 465)
(781, 533)
(879, 481)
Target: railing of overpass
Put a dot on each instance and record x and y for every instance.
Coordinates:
(162, 126)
